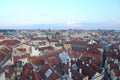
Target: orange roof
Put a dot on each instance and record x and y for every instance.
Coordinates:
(53, 73)
(35, 76)
(9, 70)
(46, 48)
(26, 71)
(10, 42)
(15, 58)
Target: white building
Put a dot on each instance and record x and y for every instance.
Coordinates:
(64, 57)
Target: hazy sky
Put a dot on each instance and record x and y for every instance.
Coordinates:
(70, 12)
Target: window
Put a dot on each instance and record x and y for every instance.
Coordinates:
(48, 73)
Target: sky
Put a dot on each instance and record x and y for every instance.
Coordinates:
(72, 13)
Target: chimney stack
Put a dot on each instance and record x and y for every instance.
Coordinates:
(73, 59)
(119, 67)
(69, 63)
(90, 61)
(87, 64)
(83, 62)
(76, 59)
(80, 70)
(69, 73)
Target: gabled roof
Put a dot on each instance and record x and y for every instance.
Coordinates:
(2, 37)
(26, 71)
(94, 50)
(77, 42)
(15, 58)
(39, 38)
(95, 45)
(5, 53)
(9, 70)
(10, 42)
(113, 55)
(113, 66)
(53, 40)
(53, 60)
(86, 70)
(49, 73)
(35, 76)
(57, 45)
(75, 74)
(46, 48)
(53, 53)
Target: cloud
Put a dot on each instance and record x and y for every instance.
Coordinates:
(72, 23)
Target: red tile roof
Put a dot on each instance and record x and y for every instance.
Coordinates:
(35, 76)
(39, 38)
(94, 50)
(117, 72)
(15, 58)
(53, 40)
(75, 74)
(5, 49)
(54, 74)
(38, 61)
(96, 45)
(96, 68)
(46, 48)
(53, 60)
(9, 70)
(79, 42)
(52, 53)
(86, 70)
(113, 55)
(57, 45)
(1, 56)
(21, 49)
(2, 37)
(26, 71)
(113, 66)
(10, 42)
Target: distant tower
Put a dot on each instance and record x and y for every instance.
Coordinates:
(49, 34)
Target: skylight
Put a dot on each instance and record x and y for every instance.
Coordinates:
(48, 73)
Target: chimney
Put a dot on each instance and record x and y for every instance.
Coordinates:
(83, 62)
(80, 70)
(90, 61)
(87, 64)
(119, 67)
(12, 59)
(69, 63)
(76, 59)
(69, 73)
(73, 59)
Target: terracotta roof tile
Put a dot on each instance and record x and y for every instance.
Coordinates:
(46, 48)
(9, 70)
(26, 71)
(53, 40)
(15, 58)
(48, 73)
(10, 42)
(96, 45)
(117, 72)
(57, 45)
(35, 76)
(39, 38)
(86, 70)
(53, 60)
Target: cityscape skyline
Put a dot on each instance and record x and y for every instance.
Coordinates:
(80, 14)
